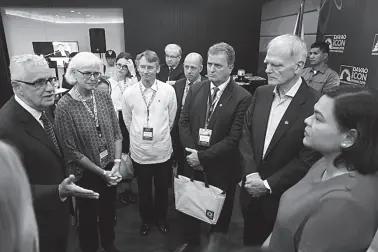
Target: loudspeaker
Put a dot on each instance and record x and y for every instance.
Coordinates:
(97, 40)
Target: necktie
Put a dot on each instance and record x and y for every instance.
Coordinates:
(49, 129)
(212, 101)
(186, 90)
(169, 72)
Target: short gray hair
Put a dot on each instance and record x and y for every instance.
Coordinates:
(81, 60)
(223, 48)
(296, 47)
(21, 65)
(173, 47)
(150, 56)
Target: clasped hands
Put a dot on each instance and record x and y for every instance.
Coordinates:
(193, 160)
(254, 185)
(113, 177)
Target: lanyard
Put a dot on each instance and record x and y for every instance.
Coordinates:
(210, 107)
(93, 114)
(145, 101)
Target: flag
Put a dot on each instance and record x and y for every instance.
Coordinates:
(299, 28)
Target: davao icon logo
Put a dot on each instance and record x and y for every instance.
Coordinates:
(336, 43)
(374, 51)
(353, 75)
(210, 214)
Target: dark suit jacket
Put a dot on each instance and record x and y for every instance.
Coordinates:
(45, 168)
(59, 54)
(177, 73)
(286, 160)
(221, 160)
(179, 89)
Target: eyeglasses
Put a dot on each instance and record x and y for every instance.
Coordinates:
(90, 74)
(120, 66)
(171, 56)
(40, 83)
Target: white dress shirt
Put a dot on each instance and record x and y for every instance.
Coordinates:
(221, 87)
(162, 115)
(35, 113)
(277, 110)
(118, 88)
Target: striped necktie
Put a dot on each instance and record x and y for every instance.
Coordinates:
(49, 129)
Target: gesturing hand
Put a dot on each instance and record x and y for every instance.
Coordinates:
(69, 188)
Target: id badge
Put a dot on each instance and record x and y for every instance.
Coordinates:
(204, 137)
(148, 133)
(103, 153)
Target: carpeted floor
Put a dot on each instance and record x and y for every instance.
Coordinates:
(128, 238)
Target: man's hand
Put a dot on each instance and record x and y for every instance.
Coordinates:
(68, 188)
(198, 168)
(192, 158)
(256, 187)
(115, 174)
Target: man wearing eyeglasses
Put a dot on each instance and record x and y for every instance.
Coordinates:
(25, 123)
(172, 70)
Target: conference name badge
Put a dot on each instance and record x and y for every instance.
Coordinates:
(148, 133)
(204, 137)
(103, 153)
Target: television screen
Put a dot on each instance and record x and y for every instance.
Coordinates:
(56, 48)
(64, 48)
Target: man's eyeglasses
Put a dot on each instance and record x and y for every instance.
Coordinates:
(120, 66)
(90, 74)
(40, 83)
(171, 56)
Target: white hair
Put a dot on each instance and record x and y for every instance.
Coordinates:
(173, 47)
(21, 65)
(18, 227)
(81, 60)
(295, 46)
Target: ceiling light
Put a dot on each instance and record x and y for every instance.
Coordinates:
(88, 15)
(72, 11)
(56, 15)
(78, 13)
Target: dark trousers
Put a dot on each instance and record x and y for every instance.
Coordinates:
(192, 226)
(90, 210)
(259, 217)
(125, 134)
(152, 210)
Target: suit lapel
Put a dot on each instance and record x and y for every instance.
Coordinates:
(226, 96)
(180, 92)
(291, 114)
(201, 106)
(263, 106)
(33, 128)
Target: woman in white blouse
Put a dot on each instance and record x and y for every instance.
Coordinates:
(125, 77)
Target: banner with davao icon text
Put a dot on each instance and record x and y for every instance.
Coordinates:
(350, 27)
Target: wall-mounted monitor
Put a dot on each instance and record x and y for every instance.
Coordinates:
(56, 48)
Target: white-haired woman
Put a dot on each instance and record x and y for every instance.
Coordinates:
(18, 227)
(91, 138)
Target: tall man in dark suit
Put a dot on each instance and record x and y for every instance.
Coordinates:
(210, 128)
(172, 70)
(24, 123)
(272, 153)
(192, 69)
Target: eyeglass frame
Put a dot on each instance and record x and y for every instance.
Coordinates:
(39, 86)
(172, 57)
(123, 67)
(90, 74)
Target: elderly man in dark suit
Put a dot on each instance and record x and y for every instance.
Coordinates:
(172, 70)
(210, 128)
(272, 153)
(25, 124)
(192, 69)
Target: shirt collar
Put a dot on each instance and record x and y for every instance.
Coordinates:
(322, 69)
(197, 80)
(153, 87)
(293, 90)
(35, 113)
(221, 87)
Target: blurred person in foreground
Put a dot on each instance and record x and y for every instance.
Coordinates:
(26, 122)
(88, 129)
(335, 207)
(18, 226)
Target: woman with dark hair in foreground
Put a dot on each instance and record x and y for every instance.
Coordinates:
(335, 206)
